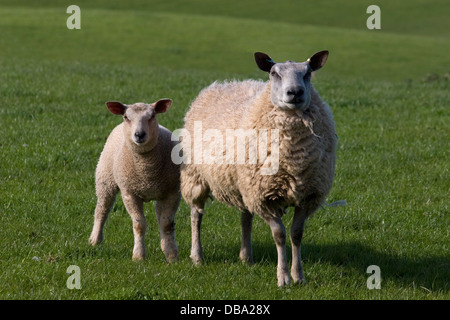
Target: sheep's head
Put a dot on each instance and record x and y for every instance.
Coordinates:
(140, 124)
(290, 87)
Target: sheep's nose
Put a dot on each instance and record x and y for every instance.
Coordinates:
(295, 95)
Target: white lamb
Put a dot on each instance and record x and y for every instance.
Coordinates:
(287, 104)
(136, 160)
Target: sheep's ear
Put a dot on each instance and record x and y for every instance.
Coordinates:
(264, 62)
(162, 105)
(116, 107)
(317, 60)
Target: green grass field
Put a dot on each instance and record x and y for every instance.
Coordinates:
(388, 89)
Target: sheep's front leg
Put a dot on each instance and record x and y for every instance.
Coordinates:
(246, 253)
(196, 247)
(296, 239)
(279, 235)
(165, 213)
(135, 208)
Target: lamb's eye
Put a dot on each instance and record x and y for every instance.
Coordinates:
(125, 118)
(307, 76)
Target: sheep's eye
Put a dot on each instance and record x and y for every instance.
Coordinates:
(125, 118)
(275, 74)
(307, 76)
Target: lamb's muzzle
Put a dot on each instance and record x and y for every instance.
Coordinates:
(139, 137)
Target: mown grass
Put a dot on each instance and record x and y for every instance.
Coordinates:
(390, 101)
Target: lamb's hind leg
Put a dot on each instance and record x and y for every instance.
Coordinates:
(296, 239)
(246, 253)
(279, 235)
(165, 214)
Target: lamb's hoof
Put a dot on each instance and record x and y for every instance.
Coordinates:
(95, 240)
(170, 251)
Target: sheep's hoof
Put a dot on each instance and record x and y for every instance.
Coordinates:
(197, 260)
(297, 276)
(246, 257)
(300, 281)
(172, 258)
(247, 260)
(283, 280)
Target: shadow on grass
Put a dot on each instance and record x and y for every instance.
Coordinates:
(432, 272)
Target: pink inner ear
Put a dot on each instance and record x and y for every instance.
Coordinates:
(116, 107)
(318, 60)
(162, 105)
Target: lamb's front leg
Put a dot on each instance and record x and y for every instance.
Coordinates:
(279, 235)
(246, 253)
(165, 213)
(106, 191)
(104, 204)
(296, 239)
(135, 208)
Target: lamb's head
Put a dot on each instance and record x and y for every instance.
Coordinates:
(290, 87)
(140, 123)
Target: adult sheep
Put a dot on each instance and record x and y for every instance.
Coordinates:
(304, 138)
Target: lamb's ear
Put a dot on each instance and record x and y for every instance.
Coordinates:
(116, 107)
(162, 105)
(317, 60)
(264, 62)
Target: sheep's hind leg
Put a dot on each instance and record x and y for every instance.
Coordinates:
(165, 214)
(196, 247)
(135, 208)
(105, 201)
(296, 239)
(279, 235)
(246, 253)
(195, 192)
